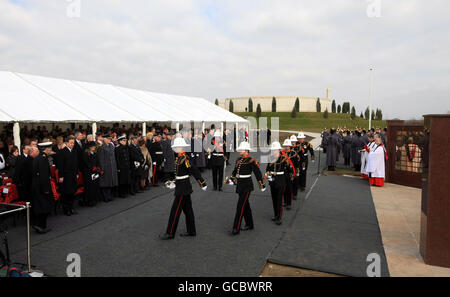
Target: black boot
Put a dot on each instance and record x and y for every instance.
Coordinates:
(186, 234)
(166, 236)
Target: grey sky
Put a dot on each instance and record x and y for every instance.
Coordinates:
(217, 49)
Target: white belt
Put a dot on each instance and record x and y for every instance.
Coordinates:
(216, 154)
(277, 173)
(244, 176)
(181, 177)
(158, 153)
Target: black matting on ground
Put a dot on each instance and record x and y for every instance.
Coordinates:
(334, 231)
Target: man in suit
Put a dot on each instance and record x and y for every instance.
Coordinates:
(42, 198)
(23, 174)
(79, 148)
(68, 175)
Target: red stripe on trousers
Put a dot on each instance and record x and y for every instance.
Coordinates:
(281, 207)
(175, 218)
(242, 211)
(154, 173)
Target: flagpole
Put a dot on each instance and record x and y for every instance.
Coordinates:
(370, 97)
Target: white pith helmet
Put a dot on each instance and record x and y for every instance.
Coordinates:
(244, 146)
(287, 142)
(275, 146)
(180, 142)
(301, 135)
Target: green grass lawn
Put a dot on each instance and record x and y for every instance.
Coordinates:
(313, 121)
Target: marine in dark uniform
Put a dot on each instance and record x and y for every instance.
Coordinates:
(42, 201)
(217, 161)
(304, 148)
(158, 158)
(183, 191)
(242, 177)
(295, 158)
(288, 194)
(275, 174)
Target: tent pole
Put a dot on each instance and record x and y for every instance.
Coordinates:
(178, 127)
(144, 129)
(94, 129)
(221, 128)
(16, 133)
(203, 127)
(236, 135)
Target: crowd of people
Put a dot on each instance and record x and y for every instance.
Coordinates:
(61, 166)
(363, 150)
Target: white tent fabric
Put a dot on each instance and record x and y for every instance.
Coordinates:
(31, 98)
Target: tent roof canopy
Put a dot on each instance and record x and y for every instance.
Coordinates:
(31, 98)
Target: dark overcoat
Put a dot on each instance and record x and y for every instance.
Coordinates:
(169, 156)
(107, 161)
(68, 169)
(136, 156)
(42, 197)
(347, 147)
(92, 187)
(123, 164)
(332, 142)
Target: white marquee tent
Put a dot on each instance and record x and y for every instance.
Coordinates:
(34, 99)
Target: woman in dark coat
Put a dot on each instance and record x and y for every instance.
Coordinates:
(11, 161)
(91, 174)
(123, 167)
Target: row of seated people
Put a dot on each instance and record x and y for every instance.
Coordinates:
(10, 195)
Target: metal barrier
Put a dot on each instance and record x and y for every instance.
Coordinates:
(21, 208)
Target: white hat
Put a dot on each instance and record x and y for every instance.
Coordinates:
(244, 146)
(45, 144)
(275, 146)
(301, 135)
(287, 142)
(217, 134)
(294, 138)
(179, 142)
